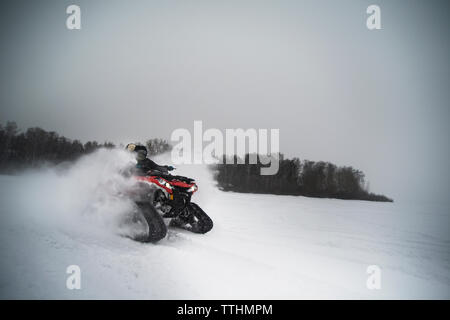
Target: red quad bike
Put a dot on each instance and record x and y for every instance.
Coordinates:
(162, 195)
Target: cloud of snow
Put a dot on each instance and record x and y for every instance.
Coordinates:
(87, 195)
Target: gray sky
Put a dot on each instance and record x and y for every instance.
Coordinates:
(376, 100)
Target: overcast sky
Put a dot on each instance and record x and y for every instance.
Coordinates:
(377, 100)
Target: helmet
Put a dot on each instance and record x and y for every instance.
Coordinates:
(141, 151)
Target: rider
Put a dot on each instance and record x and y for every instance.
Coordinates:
(144, 164)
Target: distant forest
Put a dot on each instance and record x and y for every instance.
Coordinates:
(295, 177)
(35, 146)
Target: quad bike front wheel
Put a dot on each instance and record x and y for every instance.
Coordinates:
(194, 220)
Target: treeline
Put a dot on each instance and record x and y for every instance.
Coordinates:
(35, 146)
(157, 146)
(296, 177)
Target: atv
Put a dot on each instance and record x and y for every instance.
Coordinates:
(160, 195)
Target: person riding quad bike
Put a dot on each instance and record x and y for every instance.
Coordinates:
(169, 197)
(144, 164)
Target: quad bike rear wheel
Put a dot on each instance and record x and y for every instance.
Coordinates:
(156, 228)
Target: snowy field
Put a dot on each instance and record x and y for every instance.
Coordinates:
(261, 247)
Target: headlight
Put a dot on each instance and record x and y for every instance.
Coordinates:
(164, 183)
(193, 188)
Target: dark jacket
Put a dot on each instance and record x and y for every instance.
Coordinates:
(145, 165)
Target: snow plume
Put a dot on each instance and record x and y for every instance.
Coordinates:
(78, 214)
(83, 197)
(88, 197)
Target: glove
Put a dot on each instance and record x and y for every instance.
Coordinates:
(170, 168)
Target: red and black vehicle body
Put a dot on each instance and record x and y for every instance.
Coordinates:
(169, 196)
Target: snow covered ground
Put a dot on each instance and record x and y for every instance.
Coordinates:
(262, 246)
